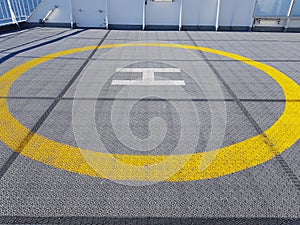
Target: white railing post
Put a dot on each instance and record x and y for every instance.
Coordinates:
(13, 16)
(217, 16)
(106, 17)
(144, 14)
(71, 14)
(289, 15)
(253, 15)
(180, 14)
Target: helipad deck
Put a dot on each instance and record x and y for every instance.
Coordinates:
(153, 127)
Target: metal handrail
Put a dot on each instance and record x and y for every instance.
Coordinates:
(20, 10)
(42, 21)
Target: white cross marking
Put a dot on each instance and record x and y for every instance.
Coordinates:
(148, 77)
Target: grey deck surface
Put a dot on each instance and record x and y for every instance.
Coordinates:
(32, 192)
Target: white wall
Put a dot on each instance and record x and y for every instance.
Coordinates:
(163, 13)
(127, 12)
(199, 12)
(243, 15)
(294, 23)
(60, 15)
(236, 12)
(92, 14)
(130, 12)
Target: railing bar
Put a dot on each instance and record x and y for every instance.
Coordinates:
(32, 7)
(218, 14)
(23, 9)
(12, 7)
(12, 13)
(28, 9)
(289, 15)
(2, 12)
(8, 16)
(17, 10)
(20, 7)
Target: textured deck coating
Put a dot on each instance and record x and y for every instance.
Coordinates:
(43, 100)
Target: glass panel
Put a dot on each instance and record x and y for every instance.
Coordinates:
(296, 8)
(272, 8)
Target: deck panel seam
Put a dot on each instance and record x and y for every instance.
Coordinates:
(284, 165)
(43, 118)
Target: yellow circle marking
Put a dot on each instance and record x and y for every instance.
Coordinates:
(254, 151)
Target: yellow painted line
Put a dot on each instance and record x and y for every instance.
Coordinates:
(254, 151)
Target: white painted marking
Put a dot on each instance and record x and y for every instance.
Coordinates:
(149, 83)
(148, 77)
(155, 70)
